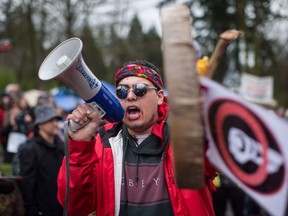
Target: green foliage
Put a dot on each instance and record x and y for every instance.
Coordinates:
(6, 169)
(92, 54)
(6, 76)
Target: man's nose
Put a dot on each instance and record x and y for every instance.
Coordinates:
(131, 95)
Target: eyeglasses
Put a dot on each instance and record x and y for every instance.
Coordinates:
(139, 90)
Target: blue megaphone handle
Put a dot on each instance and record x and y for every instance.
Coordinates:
(113, 111)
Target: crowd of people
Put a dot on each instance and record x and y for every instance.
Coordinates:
(17, 115)
(125, 169)
(32, 142)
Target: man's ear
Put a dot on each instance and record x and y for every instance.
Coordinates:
(160, 95)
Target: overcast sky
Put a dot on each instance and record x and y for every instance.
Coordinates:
(146, 10)
(149, 15)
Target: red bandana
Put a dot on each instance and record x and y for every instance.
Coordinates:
(139, 71)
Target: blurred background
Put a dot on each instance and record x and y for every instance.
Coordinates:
(115, 31)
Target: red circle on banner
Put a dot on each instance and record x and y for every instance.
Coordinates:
(225, 111)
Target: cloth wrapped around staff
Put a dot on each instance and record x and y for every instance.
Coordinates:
(187, 131)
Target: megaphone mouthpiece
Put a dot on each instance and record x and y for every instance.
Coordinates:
(63, 62)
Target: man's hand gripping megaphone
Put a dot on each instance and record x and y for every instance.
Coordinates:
(85, 118)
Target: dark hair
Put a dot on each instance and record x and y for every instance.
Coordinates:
(5, 106)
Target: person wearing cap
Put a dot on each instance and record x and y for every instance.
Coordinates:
(40, 158)
(127, 169)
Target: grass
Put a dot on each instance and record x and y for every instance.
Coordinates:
(6, 169)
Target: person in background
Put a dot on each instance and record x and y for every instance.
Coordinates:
(25, 118)
(40, 158)
(228, 194)
(5, 105)
(10, 124)
(46, 98)
(18, 119)
(12, 94)
(127, 169)
(252, 208)
(14, 90)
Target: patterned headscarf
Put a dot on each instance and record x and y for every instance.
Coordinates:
(139, 71)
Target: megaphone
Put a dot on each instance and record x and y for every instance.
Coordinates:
(65, 64)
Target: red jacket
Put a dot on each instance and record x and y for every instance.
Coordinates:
(92, 185)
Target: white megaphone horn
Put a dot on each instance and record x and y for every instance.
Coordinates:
(65, 64)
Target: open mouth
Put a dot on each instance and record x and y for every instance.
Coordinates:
(133, 112)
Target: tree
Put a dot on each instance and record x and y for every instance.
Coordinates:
(36, 27)
(135, 39)
(92, 54)
(152, 48)
(258, 52)
(21, 29)
(144, 45)
(117, 52)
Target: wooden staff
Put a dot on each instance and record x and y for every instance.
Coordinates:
(187, 130)
(185, 103)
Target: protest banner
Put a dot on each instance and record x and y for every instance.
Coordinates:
(248, 143)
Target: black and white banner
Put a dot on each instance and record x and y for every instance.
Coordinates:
(249, 144)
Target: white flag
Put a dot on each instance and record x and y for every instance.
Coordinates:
(249, 144)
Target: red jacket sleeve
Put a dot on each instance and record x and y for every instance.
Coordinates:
(82, 178)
